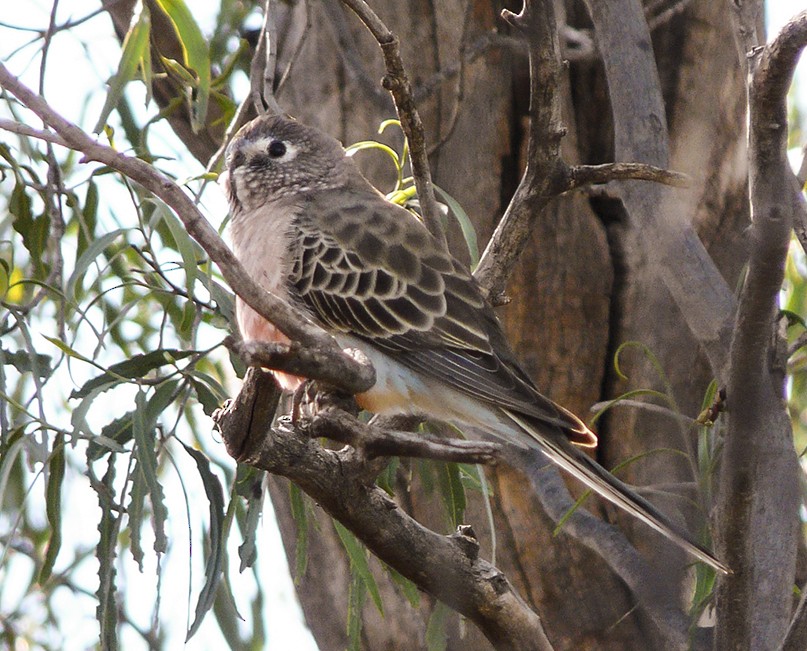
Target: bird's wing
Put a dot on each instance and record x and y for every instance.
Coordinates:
(370, 268)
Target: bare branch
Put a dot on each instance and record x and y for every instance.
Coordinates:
(759, 499)
(314, 363)
(587, 174)
(31, 132)
(447, 567)
(544, 177)
(397, 83)
(338, 425)
(293, 322)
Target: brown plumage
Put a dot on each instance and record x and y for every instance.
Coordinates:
(309, 227)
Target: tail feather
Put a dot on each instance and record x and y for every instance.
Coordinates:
(605, 484)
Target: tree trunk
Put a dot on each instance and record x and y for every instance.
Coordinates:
(581, 289)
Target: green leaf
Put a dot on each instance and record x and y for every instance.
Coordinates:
(407, 587)
(207, 398)
(466, 226)
(108, 526)
(135, 367)
(53, 507)
(144, 421)
(218, 549)
(33, 229)
(436, 629)
(247, 551)
(96, 248)
(188, 249)
(135, 512)
(452, 492)
(196, 54)
(357, 594)
(135, 54)
(299, 511)
(113, 436)
(357, 553)
(25, 362)
(67, 350)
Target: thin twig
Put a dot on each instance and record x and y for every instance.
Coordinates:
(269, 34)
(397, 83)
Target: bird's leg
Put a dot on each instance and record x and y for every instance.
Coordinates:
(312, 397)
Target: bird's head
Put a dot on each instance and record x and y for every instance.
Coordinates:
(274, 157)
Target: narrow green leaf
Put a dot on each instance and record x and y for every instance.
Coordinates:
(465, 224)
(357, 553)
(355, 604)
(144, 420)
(136, 366)
(67, 350)
(187, 248)
(135, 512)
(407, 587)
(196, 53)
(113, 436)
(34, 229)
(53, 506)
(108, 526)
(299, 512)
(436, 629)
(218, 548)
(452, 492)
(135, 52)
(96, 248)
(209, 400)
(247, 551)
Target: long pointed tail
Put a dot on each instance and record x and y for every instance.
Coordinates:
(605, 484)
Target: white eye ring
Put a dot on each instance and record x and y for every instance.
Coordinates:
(281, 151)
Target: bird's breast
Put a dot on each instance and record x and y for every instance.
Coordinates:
(262, 243)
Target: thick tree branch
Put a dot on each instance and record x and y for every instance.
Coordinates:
(759, 500)
(397, 83)
(293, 322)
(447, 567)
(640, 134)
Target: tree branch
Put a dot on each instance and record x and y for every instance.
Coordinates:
(544, 176)
(397, 83)
(447, 567)
(758, 499)
(373, 441)
(587, 174)
(293, 322)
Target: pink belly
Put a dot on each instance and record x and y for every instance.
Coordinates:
(254, 327)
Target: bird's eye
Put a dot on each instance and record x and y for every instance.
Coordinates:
(277, 149)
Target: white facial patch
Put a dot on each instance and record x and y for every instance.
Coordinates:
(262, 147)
